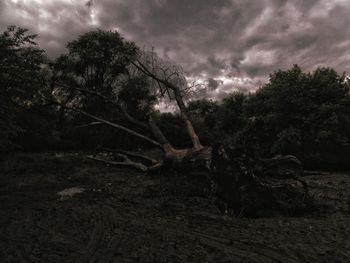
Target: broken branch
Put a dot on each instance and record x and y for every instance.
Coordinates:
(127, 162)
(120, 127)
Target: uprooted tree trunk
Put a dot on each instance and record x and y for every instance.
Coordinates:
(236, 184)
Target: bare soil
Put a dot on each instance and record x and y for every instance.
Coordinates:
(56, 208)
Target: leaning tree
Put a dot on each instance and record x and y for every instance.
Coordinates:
(99, 68)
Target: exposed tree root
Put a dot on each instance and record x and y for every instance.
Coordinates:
(236, 187)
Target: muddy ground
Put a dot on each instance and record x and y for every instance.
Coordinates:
(121, 215)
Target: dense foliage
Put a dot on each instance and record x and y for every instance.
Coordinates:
(21, 81)
(98, 63)
(305, 114)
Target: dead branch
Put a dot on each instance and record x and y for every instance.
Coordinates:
(138, 155)
(94, 123)
(155, 167)
(120, 127)
(118, 105)
(197, 146)
(157, 132)
(132, 154)
(151, 126)
(127, 162)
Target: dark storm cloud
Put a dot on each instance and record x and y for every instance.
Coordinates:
(56, 22)
(237, 43)
(213, 84)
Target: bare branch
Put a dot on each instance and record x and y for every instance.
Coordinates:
(179, 100)
(121, 107)
(155, 167)
(127, 162)
(132, 119)
(151, 126)
(157, 132)
(94, 123)
(120, 127)
(132, 154)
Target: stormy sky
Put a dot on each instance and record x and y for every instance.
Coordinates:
(228, 44)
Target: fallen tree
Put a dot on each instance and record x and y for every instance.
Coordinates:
(238, 184)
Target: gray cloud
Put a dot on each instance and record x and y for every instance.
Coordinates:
(213, 84)
(233, 43)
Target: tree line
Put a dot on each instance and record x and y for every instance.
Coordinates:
(58, 105)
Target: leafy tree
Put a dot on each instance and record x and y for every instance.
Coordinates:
(97, 62)
(101, 67)
(231, 113)
(301, 113)
(94, 77)
(21, 80)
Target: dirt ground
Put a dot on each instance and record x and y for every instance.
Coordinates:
(107, 214)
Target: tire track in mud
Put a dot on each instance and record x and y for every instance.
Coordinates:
(175, 232)
(158, 219)
(254, 252)
(128, 215)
